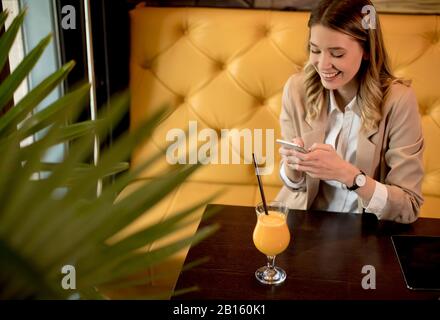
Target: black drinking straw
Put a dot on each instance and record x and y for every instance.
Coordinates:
(260, 184)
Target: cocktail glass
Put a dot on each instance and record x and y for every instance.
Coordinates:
(271, 237)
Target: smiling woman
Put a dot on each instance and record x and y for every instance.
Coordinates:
(366, 140)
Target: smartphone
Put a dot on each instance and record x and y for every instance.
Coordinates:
(291, 145)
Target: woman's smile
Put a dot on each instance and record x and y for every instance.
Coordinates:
(329, 76)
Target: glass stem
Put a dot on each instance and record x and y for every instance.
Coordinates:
(271, 262)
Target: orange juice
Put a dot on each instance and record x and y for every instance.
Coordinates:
(271, 234)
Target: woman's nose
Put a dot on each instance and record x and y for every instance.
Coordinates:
(324, 62)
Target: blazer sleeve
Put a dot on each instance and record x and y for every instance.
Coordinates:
(289, 129)
(404, 158)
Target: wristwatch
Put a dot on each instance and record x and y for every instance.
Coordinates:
(359, 181)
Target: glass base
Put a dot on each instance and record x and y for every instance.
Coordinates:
(267, 275)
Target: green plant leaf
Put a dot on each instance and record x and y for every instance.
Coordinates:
(13, 81)
(108, 219)
(77, 130)
(26, 271)
(3, 17)
(109, 195)
(117, 251)
(7, 39)
(58, 214)
(84, 169)
(41, 202)
(68, 104)
(140, 261)
(155, 231)
(21, 177)
(9, 121)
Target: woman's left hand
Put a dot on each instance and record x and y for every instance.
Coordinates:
(324, 163)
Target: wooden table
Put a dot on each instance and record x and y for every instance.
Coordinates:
(324, 259)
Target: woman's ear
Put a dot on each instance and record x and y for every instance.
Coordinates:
(365, 56)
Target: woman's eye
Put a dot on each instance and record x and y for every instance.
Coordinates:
(337, 55)
(314, 51)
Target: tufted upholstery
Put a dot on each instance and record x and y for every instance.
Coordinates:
(226, 68)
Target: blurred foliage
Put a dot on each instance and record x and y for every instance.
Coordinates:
(56, 219)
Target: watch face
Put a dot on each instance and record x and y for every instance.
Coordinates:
(361, 180)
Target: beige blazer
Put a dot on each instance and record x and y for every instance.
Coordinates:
(391, 154)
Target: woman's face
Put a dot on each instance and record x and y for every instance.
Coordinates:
(335, 55)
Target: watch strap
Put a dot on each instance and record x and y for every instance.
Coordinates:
(355, 185)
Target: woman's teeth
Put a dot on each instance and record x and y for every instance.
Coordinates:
(329, 76)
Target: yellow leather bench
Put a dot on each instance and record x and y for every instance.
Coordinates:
(225, 69)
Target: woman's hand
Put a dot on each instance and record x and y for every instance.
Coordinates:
(290, 159)
(324, 163)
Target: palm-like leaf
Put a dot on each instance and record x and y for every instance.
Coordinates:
(48, 223)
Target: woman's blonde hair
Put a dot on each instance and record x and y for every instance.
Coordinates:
(374, 75)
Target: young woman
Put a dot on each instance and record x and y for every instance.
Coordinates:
(360, 124)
